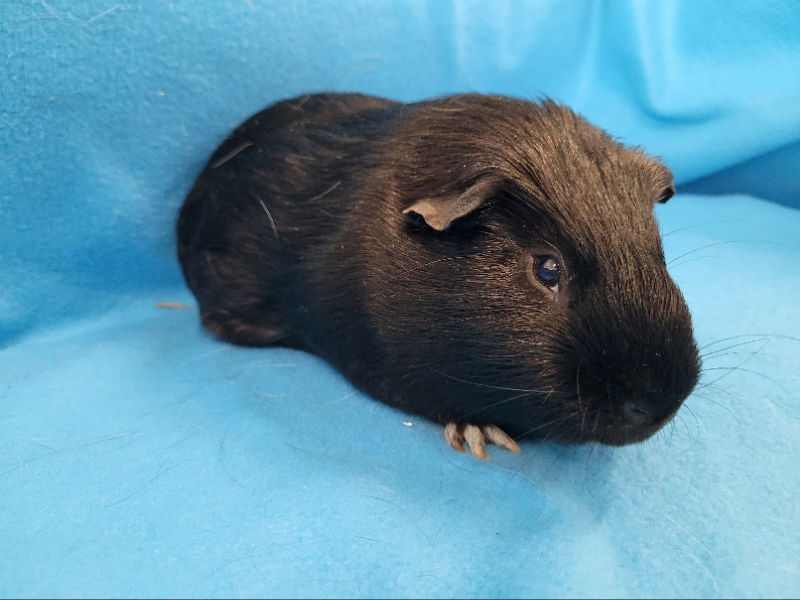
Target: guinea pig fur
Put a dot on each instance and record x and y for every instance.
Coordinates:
(486, 262)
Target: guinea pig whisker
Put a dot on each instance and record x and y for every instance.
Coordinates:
(750, 354)
(555, 429)
(321, 195)
(547, 397)
(705, 397)
(716, 388)
(698, 431)
(732, 346)
(674, 428)
(669, 262)
(269, 216)
(692, 413)
(596, 423)
(553, 247)
(722, 352)
(713, 401)
(590, 456)
(721, 389)
(498, 403)
(737, 366)
(694, 225)
(557, 423)
(231, 154)
(752, 335)
(580, 402)
(487, 385)
(426, 265)
(659, 436)
(688, 260)
(742, 369)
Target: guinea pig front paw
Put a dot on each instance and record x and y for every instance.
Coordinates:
(478, 436)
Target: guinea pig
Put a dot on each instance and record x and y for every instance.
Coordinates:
(489, 263)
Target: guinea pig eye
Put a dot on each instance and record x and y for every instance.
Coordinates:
(547, 271)
(666, 195)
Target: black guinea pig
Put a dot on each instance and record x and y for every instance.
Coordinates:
(486, 262)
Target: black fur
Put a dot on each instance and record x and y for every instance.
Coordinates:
(295, 234)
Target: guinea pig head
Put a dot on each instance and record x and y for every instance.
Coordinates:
(535, 249)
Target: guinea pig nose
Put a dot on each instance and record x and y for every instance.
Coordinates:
(635, 415)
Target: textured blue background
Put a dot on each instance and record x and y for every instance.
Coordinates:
(139, 457)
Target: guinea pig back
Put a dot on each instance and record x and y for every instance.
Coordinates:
(477, 260)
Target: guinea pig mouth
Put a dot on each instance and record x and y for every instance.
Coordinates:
(622, 432)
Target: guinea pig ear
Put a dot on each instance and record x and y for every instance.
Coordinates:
(439, 213)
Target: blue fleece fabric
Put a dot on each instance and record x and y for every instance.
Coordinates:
(138, 457)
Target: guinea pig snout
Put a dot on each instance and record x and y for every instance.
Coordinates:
(631, 381)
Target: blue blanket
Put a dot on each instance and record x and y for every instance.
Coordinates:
(138, 457)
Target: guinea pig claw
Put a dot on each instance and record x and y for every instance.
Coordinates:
(500, 438)
(477, 438)
(454, 437)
